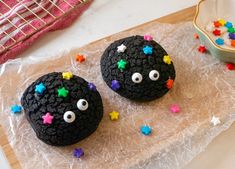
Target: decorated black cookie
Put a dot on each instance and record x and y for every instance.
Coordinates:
(138, 68)
(62, 108)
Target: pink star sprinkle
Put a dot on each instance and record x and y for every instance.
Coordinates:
(175, 108)
(148, 37)
(47, 119)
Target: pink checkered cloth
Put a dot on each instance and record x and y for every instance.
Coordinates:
(27, 10)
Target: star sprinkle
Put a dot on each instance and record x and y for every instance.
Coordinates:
(40, 88)
(196, 36)
(62, 92)
(167, 59)
(146, 130)
(210, 27)
(148, 50)
(92, 87)
(80, 58)
(227, 41)
(230, 66)
(114, 115)
(148, 37)
(47, 119)
(228, 25)
(67, 75)
(16, 109)
(202, 49)
(219, 41)
(175, 108)
(233, 43)
(115, 85)
(232, 36)
(78, 152)
(121, 48)
(215, 120)
(121, 64)
(169, 83)
(217, 32)
(222, 22)
(231, 30)
(217, 24)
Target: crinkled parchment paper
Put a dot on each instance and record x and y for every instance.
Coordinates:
(203, 88)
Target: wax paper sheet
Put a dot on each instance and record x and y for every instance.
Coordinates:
(203, 88)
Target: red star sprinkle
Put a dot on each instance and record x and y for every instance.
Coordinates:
(230, 66)
(80, 58)
(202, 49)
(169, 83)
(217, 32)
(196, 36)
(217, 24)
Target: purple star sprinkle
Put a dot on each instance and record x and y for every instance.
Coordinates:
(232, 36)
(115, 85)
(92, 86)
(78, 152)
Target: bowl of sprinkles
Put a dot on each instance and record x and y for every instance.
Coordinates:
(215, 24)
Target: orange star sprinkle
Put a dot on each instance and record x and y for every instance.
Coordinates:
(169, 83)
(217, 24)
(196, 36)
(233, 43)
(80, 58)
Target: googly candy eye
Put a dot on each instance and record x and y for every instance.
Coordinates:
(154, 75)
(69, 117)
(82, 104)
(137, 78)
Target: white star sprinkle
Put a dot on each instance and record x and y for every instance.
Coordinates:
(210, 27)
(121, 48)
(215, 120)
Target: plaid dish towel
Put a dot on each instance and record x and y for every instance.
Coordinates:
(30, 19)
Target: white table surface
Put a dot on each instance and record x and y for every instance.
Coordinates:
(106, 17)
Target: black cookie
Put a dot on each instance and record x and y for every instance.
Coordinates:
(137, 68)
(62, 108)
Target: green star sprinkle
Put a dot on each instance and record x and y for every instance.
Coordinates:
(121, 64)
(231, 30)
(62, 92)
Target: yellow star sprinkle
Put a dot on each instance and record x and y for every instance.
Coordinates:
(167, 59)
(67, 75)
(222, 22)
(114, 115)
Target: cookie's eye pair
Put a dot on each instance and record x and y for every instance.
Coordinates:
(153, 75)
(70, 116)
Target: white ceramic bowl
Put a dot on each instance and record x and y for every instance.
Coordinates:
(209, 11)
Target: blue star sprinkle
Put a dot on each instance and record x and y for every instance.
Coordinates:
(16, 109)
(40, 88)
(115, 85)
(92, 86)
(146, 130)
(78, 152)
(229, 25)
(219, 41)
(148, 50)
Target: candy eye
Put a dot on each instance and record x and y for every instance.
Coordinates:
(154, 75)
(69, 116)
(137, 78)
(82, 104)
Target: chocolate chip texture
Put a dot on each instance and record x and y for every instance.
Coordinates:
(137, 62)
(60, 132)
